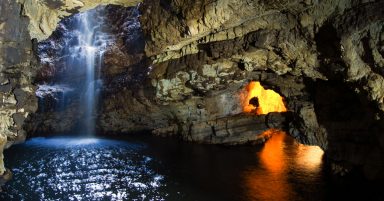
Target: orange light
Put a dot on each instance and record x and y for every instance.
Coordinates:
(272, 155)
(309, 157)
(280, 158)
(268, 100)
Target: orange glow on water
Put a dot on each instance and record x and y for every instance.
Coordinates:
(281, 156)
(271, 177)
(309, 156)
(269, 101)
(272, 156)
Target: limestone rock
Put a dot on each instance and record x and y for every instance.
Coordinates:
(3, 142)
(240, 129)
(17, 69)
(44, 15)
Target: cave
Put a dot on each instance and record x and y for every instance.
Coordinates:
(191, 100)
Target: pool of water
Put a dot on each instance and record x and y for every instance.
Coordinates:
(151, 168)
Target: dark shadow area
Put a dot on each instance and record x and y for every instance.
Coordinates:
(353, 128)
(329, 48)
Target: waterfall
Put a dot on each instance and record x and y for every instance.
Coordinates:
(87, 54)
(72, 60)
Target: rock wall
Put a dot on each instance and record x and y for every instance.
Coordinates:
(336, 42)
(44, 15)
(17, 69)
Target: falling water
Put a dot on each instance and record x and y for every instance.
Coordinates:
(87, 53)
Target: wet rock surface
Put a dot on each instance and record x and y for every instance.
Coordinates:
(45, 15)
(304, 44)
(17, 70)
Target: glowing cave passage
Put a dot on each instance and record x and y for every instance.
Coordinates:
(261, 101)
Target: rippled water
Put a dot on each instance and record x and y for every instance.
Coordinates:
(82, 169)
(150, 168)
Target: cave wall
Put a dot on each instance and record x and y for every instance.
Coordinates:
(353, 126)
(288, 45)
(44, 15)
(17, 69)
(333, 41)
(298, 42)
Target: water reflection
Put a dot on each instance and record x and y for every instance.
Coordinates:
(281, 157)
(308, 157)
(150, 168)
(66, 142)
(82, 169)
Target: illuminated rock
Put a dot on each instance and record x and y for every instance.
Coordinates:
(267, 100)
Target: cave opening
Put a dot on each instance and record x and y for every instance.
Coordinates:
(260, 101)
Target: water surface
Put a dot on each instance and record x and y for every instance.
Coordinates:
(151, 168)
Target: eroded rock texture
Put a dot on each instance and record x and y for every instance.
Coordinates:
(305, 44)
(182, 71)
(17, 69)
(44, 15)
